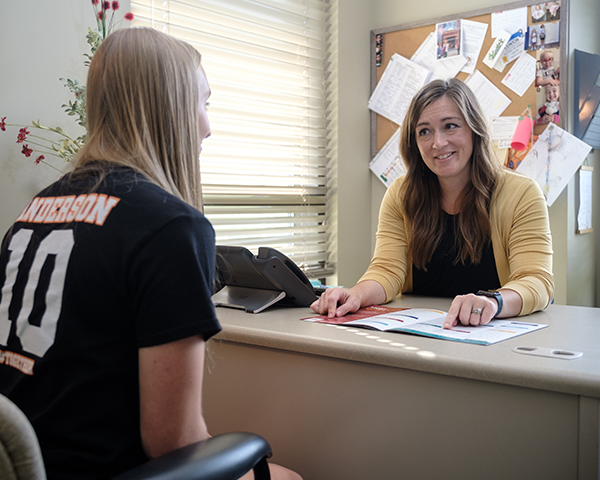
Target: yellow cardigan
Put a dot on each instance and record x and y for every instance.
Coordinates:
(521, 242)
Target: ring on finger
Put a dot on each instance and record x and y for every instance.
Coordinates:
(477, 311)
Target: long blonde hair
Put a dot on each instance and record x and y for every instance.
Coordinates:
(421, 192)
(142, 110)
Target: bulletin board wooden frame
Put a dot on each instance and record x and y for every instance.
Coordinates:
(405, 40)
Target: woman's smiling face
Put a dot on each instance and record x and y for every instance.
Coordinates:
(445, 141)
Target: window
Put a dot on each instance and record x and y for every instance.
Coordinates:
(264, 169)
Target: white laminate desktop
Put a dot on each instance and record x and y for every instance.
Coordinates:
(356, 404)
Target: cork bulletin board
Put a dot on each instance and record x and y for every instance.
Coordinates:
(406, 39)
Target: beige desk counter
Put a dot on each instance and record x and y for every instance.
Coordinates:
(338, 402)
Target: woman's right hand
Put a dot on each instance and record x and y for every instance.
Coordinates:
(336, 302)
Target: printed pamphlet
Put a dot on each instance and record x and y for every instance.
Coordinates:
(429, 323)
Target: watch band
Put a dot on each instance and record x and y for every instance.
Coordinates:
(492, 294)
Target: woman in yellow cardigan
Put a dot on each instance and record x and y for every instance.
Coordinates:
(458, 224)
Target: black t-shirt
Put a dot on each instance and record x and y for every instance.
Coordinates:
(87, 279)
(443, 278)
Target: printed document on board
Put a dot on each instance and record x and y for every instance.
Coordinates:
(400, 81)
(387, 164)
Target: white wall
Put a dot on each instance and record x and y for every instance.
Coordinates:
(41, 42)
(354, 181)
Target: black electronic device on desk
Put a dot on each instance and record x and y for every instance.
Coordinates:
(255, 282)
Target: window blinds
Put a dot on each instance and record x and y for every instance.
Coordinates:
(264, 169)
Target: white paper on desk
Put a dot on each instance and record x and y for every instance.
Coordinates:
(509, 21)
(522, 74)
(387, 165)
(425, 56)
(491, 99)
(513, 50)
(473, 37)
(396, 88)
(553, 160)
(584, 214)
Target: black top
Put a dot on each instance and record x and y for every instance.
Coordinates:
(86, 280)
(445, 279)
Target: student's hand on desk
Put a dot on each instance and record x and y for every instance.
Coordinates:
(336, 302)
(470, 310)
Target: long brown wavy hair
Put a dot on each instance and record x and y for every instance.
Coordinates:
(142, 110)
(421, 192)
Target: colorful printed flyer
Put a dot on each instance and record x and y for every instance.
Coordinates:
(429, 323)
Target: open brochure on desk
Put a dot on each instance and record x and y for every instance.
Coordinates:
(429, 323)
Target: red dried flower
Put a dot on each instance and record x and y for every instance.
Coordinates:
(101, 15)
(129, 16)
(3, 124)
(26, 151)
(106, 6)
(22, 136)
(115, 5)
(39, 159)
(95, 2)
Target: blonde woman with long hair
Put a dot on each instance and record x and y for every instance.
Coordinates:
(107, 275)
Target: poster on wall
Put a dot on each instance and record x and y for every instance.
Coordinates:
(553, 160)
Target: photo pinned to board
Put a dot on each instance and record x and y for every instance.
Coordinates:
(449, 39)
(538, 13)
(554, 11)
(542, 36)
(547, 81)
(545, 12)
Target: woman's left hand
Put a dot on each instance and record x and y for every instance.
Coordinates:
(471, 310)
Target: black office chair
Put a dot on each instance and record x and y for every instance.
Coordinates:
(223, 457)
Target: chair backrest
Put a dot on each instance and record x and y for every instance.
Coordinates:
(20, 454)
